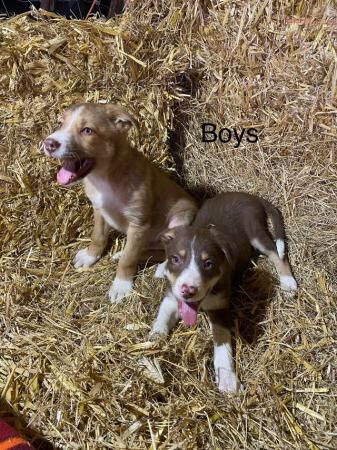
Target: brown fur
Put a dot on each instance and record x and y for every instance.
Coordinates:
(202, 261)
(141, 200)
(206, 256)
(225, 230)
(240, 222)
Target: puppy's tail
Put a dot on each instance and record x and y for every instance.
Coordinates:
(276, 218)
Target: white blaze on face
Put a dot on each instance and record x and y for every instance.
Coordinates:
(190, 276)
(63, 136)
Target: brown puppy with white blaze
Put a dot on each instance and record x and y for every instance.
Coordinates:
(127, 191)
(203, 259)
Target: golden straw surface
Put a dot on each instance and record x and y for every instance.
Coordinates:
(83, 373)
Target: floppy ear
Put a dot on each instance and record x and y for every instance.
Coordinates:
(120, 117)
(225, 243)
(168, 235)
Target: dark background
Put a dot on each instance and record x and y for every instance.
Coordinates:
(70, 8)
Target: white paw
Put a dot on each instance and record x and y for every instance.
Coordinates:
(158, 330)
(288, 283)
(227, 381)
(117, 256)
(83, 259)
(119, 289)
(160, 270)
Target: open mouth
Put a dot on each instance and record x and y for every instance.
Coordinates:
(73, 170)
(189, 312)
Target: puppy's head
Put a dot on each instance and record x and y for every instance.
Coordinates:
(87, 135)
(196, 260)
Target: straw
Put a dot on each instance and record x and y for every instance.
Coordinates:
(82, 372)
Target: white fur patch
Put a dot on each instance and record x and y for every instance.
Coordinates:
(74, 116)
(166, 318)
(63, 136)
(225, 375)
(83, 259)
(160, 270)
(288, 283)
(280, 248)
(257, 244)
(101, 196)
(176, 222)
(119, 289)
(190, 275)
(97, 199)
(117, 256)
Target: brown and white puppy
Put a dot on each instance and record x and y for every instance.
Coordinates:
(203, 259)
(127, 191)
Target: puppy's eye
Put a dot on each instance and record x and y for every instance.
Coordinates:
(208, 264)
(87, 130)
(175, 259)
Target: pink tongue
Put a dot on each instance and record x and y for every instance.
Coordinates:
(188, 312)
(64, 176)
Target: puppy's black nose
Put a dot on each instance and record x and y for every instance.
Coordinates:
(51, 145)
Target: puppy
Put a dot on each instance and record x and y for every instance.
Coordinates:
(128, 192)
(203, 259)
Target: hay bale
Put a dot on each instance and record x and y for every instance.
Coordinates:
(82, 372)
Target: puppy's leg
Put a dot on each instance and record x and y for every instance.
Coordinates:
(276, 253)
(225, 375)
(135, 240)
(88, 256)
(167, 317)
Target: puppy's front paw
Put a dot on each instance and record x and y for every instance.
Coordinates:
(84, 259)
(158, 331)
(288, 284)
(227, 381)
(160, 270)
(119, 289)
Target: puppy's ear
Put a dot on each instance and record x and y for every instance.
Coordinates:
(120, 117)
(225, 243)
(168, 235)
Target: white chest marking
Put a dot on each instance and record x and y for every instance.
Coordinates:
(101, 200)
(96, 199)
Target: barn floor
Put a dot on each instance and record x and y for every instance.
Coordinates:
(79, 373)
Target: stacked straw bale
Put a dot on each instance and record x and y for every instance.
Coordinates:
(81, 372)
